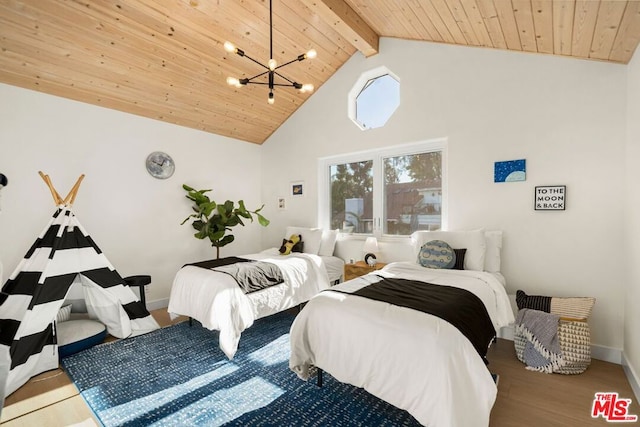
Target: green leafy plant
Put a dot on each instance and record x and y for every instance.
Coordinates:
(215, 221)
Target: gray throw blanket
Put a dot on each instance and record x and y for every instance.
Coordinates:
(542, 349)
(253, 276)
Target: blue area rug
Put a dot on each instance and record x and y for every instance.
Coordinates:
(177, 376)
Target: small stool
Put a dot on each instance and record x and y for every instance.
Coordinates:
(140, 282)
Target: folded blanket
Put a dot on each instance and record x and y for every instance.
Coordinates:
(253, 276)
(542, 349)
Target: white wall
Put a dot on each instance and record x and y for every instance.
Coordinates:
(134, 218)
(632, 226)
(566, 117)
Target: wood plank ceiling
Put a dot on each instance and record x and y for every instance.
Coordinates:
(165, 59)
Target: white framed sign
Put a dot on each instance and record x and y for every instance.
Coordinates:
(550, 198)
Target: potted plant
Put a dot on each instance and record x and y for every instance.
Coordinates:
(215, 221)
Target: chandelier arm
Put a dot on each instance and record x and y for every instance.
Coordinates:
(274, 84)
(283, 77)
(287, 63)
(267, 84)
(257, 62)
(257, 75)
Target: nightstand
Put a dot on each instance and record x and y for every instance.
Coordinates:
(360, 268)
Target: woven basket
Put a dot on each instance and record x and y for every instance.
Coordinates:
(575, 342)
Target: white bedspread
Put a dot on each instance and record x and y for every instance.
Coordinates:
(216, 300)
(415, 361)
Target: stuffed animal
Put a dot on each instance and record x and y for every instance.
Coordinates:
(288, 245)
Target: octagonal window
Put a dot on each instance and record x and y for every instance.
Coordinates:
(374, 98)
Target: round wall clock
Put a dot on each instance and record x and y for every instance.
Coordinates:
(160, 165)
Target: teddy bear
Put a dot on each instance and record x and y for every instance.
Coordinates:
(288, 245)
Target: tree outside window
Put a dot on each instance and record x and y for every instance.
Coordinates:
(412, 193)
(351, 197)
(409, 197)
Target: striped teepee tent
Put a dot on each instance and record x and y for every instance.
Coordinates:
(63, 254)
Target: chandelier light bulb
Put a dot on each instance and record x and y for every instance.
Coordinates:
(307, 87)
(311, 54)
(272, 64)
(271, 99)
(232, 81)
(229, 47)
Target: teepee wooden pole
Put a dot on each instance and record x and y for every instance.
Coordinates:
(56, 197)
(71, 197)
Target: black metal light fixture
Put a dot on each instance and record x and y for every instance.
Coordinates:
(271, 67)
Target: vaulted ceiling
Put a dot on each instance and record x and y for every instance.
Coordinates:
(164, 59)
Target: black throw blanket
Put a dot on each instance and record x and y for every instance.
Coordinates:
(213, 263)
(459, 307)
(250, 275)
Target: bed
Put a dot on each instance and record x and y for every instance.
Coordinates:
(413, 360)
(215, 299)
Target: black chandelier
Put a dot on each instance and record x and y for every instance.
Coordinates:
(271, 67)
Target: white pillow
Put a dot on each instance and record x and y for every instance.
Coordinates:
(494, 247)
(312, 237)
(473, 241)
(64, 313)
(328, 243)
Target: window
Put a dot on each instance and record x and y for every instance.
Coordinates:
(374, 98)
(393, 191)
(352, 196)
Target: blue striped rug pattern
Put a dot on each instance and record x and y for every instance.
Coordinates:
(177, 376)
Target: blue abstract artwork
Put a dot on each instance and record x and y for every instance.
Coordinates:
(510, 171)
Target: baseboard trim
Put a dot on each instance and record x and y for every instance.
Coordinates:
(608, 354)
(156, 304)
(506, 332)
(632, 376)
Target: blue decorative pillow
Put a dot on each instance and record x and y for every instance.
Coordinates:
(437, 254)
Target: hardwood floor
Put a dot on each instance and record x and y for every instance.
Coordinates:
(525, 398)
(528, 398)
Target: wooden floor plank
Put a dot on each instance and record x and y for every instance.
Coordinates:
(529, 398)
(42, 390)
(64, 413)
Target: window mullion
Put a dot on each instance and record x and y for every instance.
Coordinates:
(378, 195)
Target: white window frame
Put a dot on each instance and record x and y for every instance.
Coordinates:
(377, 155)
(359, 85)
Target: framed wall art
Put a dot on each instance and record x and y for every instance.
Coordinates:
(550, 198)
(297, 189)
(510, 171)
